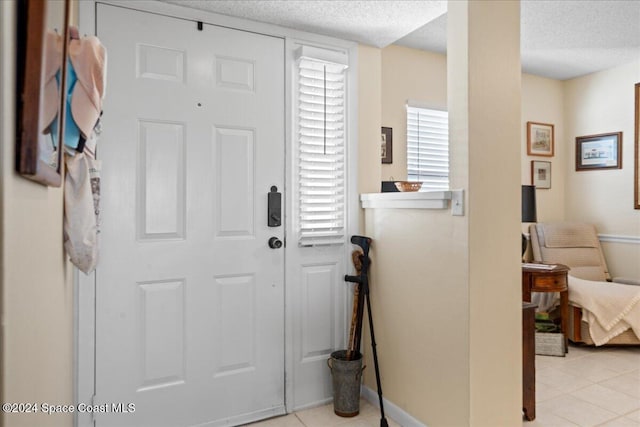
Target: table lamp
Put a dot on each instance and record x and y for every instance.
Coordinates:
(528, 209)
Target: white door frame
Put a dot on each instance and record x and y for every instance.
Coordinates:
(84, 285)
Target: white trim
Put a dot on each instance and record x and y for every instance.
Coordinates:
(84, 343)
(84, 291)
(322, 55)
(247, 418)
(424, 104)
(616, 238)
(289, 342)
(391, 410)
(298, 374)
(417, 200)
(312, 405)
(353, 208)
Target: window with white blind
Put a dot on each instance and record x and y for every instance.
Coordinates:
(428, 147)
(321, 94)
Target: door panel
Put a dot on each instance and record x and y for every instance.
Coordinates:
(161, 180)
(190, 298)
(318, 311)
(161, 333)
(235, 163)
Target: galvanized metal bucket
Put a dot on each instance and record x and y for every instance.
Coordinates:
(347, 376)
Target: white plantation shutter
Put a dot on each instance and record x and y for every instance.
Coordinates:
(428, 147)
(321, 148)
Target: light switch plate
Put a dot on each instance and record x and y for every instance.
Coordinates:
(457, 202)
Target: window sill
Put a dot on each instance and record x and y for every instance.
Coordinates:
(417, 200)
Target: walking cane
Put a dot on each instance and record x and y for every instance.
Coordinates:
(363, 280)
(355, 330)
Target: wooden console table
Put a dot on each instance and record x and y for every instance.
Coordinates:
(528, 361)
(549, 280)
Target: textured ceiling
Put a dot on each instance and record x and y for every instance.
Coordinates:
(560, 39)
(376, 23)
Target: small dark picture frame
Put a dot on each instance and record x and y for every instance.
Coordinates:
(541, 174)
(602, 151)
(636, 171)
(386, 145)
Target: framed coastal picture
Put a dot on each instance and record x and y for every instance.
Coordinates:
(539, 139)
(603, 151)
(541, 174)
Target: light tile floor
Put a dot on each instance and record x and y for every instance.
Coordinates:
(323, 416)
(589, 387)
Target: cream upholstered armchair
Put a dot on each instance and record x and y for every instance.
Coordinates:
(577, 246)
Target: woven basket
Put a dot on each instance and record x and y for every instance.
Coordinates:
(408, 185)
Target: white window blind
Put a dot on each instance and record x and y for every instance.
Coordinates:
(321, 150)
(428, 147)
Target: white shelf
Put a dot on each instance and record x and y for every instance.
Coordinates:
(415, 200)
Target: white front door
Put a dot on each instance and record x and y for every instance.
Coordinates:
(190, 297)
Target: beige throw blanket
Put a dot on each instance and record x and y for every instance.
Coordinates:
(608, 308)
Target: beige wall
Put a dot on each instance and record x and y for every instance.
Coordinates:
(602, 103)
(408, 74)
(36, 292)
(369, 114)
(419, 293)
(416, 280)
(543, 102)
(493, 116)
(422, 76)
(442, 286)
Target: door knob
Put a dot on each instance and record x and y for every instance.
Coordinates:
(275, 243)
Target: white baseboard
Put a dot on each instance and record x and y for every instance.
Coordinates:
(393, 411)
(312, 405)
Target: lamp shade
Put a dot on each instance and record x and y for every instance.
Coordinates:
(529, 203)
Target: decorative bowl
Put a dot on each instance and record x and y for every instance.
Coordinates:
(408, 186)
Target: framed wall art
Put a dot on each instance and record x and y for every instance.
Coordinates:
(636, 174)
(41, 73)
(603, 151)
(386, 145)
(540, 139)
(541, 174)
